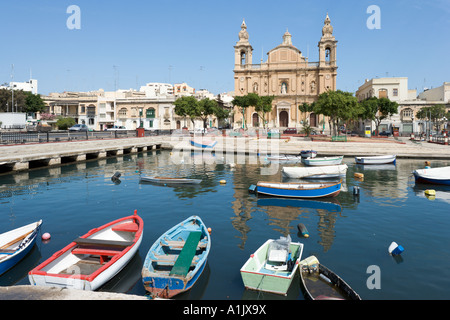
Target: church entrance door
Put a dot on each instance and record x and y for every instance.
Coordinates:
(284, 119)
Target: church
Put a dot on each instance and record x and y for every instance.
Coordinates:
(288, 75)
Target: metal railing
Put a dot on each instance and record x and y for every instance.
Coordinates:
(20, 137)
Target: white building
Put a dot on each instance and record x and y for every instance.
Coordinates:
(29, 86)
(441, 93)
(395, 89)
(155, 89)
(183, 89)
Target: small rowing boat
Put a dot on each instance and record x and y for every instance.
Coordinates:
(92, 259)
(15, 244)
(323, 161)
(315, 172)
(203, 143)
(433, 175)
(298, 190)
(169, 180)
(320, 283)
(376, 159)
(273, 266)
(177, 259)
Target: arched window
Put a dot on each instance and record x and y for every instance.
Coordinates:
(327, 54)
(243, 58)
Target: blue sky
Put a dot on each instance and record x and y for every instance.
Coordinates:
(192, 41)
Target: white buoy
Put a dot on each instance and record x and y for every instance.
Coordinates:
(395, 249)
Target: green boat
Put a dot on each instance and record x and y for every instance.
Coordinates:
(272, 267)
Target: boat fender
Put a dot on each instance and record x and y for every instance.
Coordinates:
(302, 228)
(430, 192)
(359, 175)
(223, 181)
(395, 249)
(323, 277)
(46, 236)
(209, 230)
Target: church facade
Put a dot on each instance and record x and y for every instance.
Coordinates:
(287, 75)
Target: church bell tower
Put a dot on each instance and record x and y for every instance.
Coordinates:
(243, 50)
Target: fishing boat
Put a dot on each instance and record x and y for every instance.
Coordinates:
(315, 172)
(202, 143)
(169, 180)
(15, 244)
(297, 190)
(177, 259)
(433, 175)
(323, 161)
(91, 260)
(376, 159)
(272, 267)
(308, 153)
(285, 158)
(320, 283)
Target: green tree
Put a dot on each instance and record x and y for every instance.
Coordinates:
(65, 123)
(437, 114)
(205, 108)
(33, 102)
(6, 100)
(264, 106)
(378, 109)
(187, 107)
(221, 113)
(337, 106)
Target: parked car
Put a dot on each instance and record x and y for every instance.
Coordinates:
(117, 128)
(290, 131)
(79, 127)
(385, 133)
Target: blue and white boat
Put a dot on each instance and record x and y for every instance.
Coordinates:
(298, 190)
(203, 143)
(433, 175)
(177, 259)
(15, 244)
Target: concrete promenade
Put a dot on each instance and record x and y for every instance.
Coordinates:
(28, 156)
(403, 148)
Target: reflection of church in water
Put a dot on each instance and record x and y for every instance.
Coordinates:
(287, 75)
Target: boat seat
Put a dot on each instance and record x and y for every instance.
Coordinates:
(95, 252)
(170, 258)
(173, 244)
(187, 254)
(127, 227)
(7, 251)
(102, 243)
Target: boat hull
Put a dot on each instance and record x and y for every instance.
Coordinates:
(376, 160)
(256, 277)
(65, 268)
(440, 176)
(9, 260)
(170, 180)
(326, 284)
(295, 190)
(319, 172)
(325, 161)
(158, 276)
(203, 144)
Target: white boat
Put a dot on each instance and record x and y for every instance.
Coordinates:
(169, 180)
(308, 153)
(376, 159)
(315, 172)
(285, 158)
(273, 266)
(15, 244)
(433, 175)
(323, 161)
(93, 259)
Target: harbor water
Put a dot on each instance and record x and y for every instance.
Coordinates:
(350, 234)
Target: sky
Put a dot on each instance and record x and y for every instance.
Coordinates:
(126, 44)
